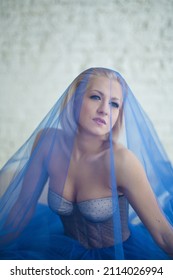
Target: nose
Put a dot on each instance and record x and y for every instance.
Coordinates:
(103, 109)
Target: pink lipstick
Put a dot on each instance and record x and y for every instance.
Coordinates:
(99, 121)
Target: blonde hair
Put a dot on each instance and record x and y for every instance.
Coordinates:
(79, 86)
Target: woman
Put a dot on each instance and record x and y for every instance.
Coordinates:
(92, 178)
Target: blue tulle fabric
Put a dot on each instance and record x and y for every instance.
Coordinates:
(30, 225)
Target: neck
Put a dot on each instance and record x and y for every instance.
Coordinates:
(87, 145)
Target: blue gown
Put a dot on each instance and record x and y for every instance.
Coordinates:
(53, 242)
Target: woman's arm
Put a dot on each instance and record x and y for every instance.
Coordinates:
(134, 184)
(34, 179)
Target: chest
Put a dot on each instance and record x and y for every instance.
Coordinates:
(79, 180)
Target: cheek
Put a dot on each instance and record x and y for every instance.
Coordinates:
(114, 117)
(86, 109)
(84, 114)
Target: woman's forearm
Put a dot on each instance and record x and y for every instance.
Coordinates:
(168, 242)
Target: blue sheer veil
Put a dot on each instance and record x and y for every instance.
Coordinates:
(44, 161)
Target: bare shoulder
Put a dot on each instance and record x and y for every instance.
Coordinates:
(124, 156)
(129, 169)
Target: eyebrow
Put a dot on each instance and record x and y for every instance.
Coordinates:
(102, 94)
(115, 98)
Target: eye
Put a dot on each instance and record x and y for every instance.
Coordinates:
(95, 97)
(114, 104)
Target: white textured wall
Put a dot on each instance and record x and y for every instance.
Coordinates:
(44, 44)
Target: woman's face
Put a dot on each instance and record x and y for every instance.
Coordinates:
(101, 105)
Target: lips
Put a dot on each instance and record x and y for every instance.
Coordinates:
(99, 121)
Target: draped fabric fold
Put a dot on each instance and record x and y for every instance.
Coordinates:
(59, 193)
